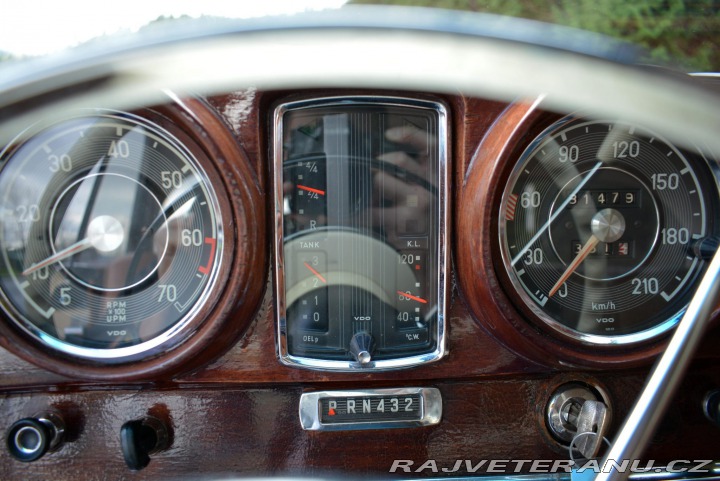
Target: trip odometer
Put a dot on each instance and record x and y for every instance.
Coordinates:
(602, 227)
(111, 237)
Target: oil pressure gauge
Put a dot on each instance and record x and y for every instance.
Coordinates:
(360, 187)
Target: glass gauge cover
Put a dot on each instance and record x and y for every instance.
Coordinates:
(360, 232)
(602, 227)
(109, 236)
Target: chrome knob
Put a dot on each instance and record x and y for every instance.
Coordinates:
(362, 345)
(30, 438)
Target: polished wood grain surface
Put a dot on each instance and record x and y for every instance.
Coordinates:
(233, 408)
(256, 431)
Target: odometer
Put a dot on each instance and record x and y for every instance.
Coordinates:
(600, 227)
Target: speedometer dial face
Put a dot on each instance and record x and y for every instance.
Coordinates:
(602, 227)
(109, 236)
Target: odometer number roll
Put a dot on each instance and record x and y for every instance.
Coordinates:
(601, 228)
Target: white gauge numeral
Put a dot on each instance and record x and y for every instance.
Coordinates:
(119, 148)
(191, 237)
(664, 181)
(533, 256)
(171, 179)
(168, 292)
(65, 298)
(624, 149)
(406, 259)
(41, 274)
(571, 153)
(530, 199)
(648, 285)
(60, 163)
(672, 236)
(28, 213)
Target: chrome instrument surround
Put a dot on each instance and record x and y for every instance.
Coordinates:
(442, 233)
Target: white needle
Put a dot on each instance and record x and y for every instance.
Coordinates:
(63, 254)
(105, 233)
(552, 218)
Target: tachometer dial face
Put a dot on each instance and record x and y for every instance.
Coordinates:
(109, 236)
(601, 230)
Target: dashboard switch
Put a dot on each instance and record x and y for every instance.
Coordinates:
(30, 438)
(141, 438)
(361, 347)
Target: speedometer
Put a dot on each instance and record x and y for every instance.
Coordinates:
(603, 227)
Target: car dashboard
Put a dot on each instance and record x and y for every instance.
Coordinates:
(344, 281)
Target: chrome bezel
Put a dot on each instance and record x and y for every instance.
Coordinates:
(141, 350)
(430, 409)
(585, 338)
(442, 234)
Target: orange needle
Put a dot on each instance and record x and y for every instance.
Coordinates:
(310, 189)
(584, 252)
(410, 296)
(317, 274)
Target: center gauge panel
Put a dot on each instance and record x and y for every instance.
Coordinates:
(360, 186)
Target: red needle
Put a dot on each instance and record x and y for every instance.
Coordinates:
(410, 296)
(310, 189)
(317, 274)
(584, 252)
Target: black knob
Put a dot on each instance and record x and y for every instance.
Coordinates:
(141, 438)
(712, 407)
(30, 438)
(361, 347)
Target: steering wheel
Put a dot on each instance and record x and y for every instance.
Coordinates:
(394, 48)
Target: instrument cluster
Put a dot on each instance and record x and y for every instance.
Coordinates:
(133, 244)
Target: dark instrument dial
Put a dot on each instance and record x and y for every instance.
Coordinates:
(600, 230)
(110, 236)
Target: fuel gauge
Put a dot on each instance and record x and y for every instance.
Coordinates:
(360, 281)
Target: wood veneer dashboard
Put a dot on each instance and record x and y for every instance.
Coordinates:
(232, 407)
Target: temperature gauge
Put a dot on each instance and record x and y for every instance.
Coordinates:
(361, 248)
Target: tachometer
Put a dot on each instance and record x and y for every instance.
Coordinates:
(602, 227)
(110, 237)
